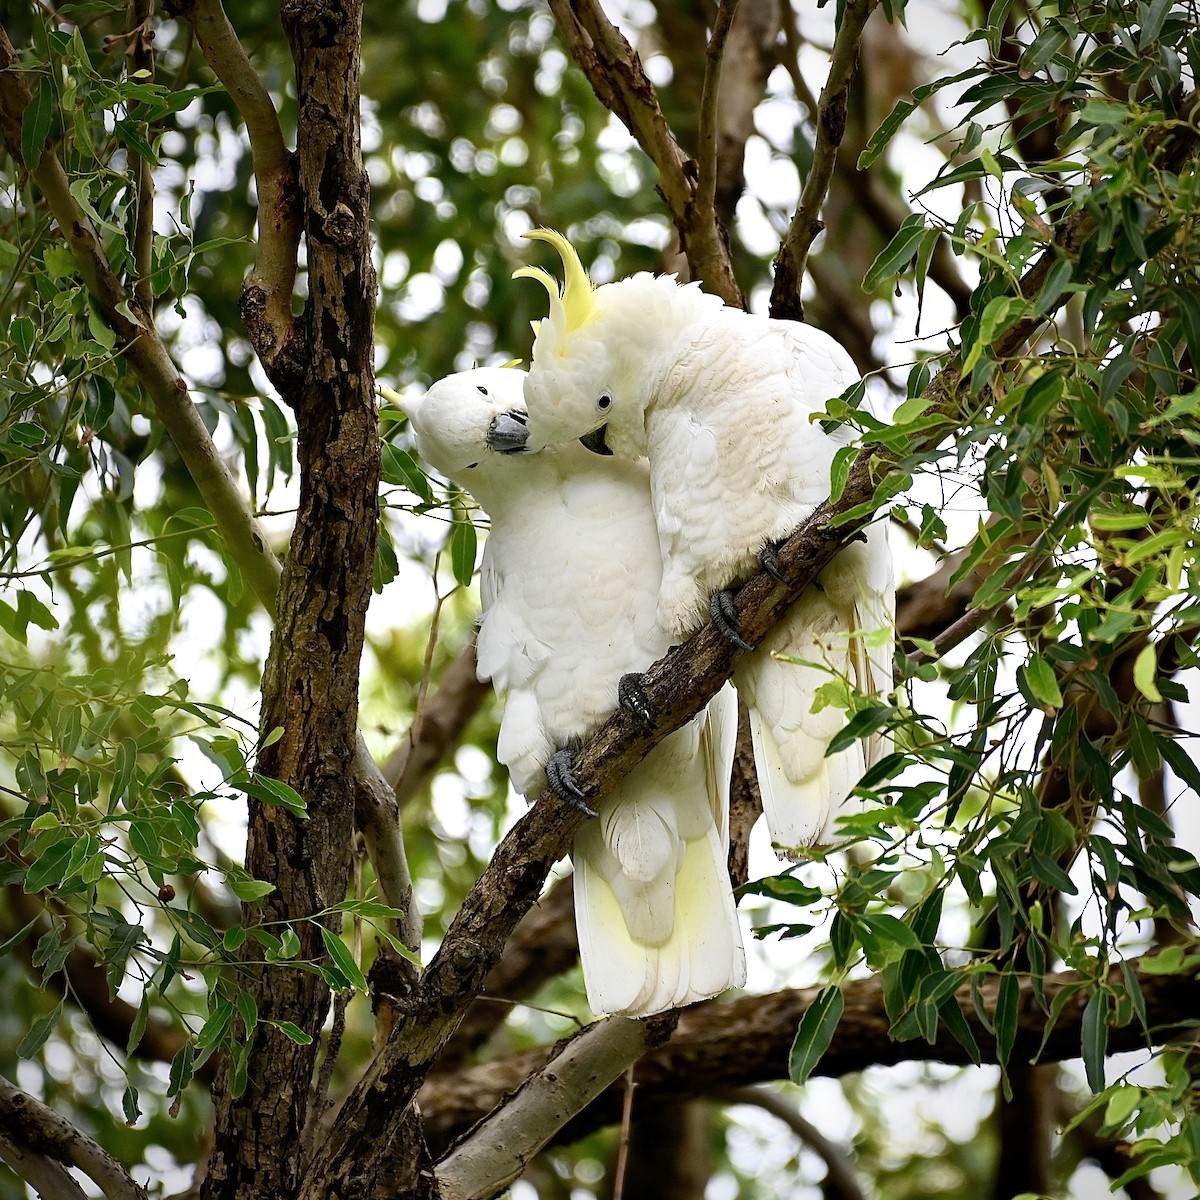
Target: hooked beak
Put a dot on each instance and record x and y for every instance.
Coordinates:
(595, 442)
(508, 433)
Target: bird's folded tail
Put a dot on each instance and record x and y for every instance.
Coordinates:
(657, 922)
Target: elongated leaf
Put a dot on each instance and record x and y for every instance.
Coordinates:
(885, 132)
(1094, 1038)
(35, 126)
(39, 1031)
(1005, 1017)
(463, 542)
(343, 960)
(816, 1031)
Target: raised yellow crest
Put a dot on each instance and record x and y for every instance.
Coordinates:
(571, 308)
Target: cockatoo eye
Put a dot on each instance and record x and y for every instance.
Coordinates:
(604, 402)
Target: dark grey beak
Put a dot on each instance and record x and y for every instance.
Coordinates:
(595, 442)
(508, 433)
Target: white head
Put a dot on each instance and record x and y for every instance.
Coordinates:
(466, 421)
(598, 358)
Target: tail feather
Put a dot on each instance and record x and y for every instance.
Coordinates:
(657, 923)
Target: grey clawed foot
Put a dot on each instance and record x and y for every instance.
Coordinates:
(768, 559)
(724, 616)
(562, 782)
(631, 695)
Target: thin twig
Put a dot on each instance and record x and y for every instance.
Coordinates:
(831, 128)
(141, 54)
(626, 1132)
(704, 223)
(840, 1182)
(620, 82)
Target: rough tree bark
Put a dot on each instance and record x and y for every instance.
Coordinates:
(310, 688)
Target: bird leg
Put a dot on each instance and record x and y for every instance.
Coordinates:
(562, 782)
(724, 616)
(632, 697)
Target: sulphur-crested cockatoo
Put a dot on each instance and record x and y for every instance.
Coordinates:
(569, 584)
(721, 404)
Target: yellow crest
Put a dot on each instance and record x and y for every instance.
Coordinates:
(572, 308)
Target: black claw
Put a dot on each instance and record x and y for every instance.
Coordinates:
(768, 559)
(828, 533)
(631, 695)
(562, 782)
(724, 616)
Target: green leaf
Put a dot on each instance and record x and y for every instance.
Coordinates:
(249, 890)
(35, 125)
(816, 1031)
(129, 1105)
(141, 1017)
(39, 1031)
(1094, 1038)
(274, 791)
(343, 960)
(463, 541)
(898, 253)
(182, 1069)
(294, 1032)
(400, 468)
(885, 132)
(1000, 313)
(1037, 681)
(839, 471)
(1005, 1016)
(1145, 673)
(1121, 1103)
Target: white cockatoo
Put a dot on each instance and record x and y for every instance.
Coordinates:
(721, 403)
(569, 583)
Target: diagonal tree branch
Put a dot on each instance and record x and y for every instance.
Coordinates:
(678, 685)
(748, 1041)
(266, 304)
(619, 80)
(26, 1122)
(50, 1179)
(498, 1151)
(831, 127)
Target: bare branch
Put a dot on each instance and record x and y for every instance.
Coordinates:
(266, 304)
(840, 1182)
(27, 1122)
(543, 945)
(831, 127)
(885, 211)
(51, 1180)
(718, 1045)
(616, 74)
(703, 224)
(498, 1150)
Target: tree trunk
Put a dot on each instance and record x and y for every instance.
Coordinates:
(310, 688)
